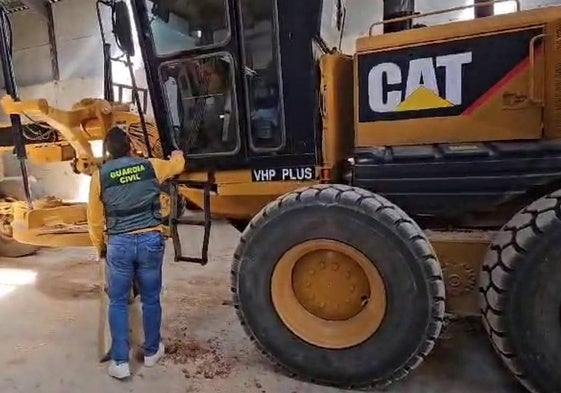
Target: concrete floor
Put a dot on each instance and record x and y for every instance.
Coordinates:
(48, 334)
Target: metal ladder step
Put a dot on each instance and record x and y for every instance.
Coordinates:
(176, 221)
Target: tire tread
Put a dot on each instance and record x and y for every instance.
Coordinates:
(499, 268)
(387, 212)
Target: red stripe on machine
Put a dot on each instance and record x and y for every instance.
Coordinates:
(523, 66)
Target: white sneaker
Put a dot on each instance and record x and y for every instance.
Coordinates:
(119, 371)
(150, 361)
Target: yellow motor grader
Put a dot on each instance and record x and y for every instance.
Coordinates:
(374, 192)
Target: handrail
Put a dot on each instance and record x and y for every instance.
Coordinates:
(532, 82)
(444, 11)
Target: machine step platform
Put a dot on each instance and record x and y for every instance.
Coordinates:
(176, 220)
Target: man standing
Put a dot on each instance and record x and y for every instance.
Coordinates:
(124, 203)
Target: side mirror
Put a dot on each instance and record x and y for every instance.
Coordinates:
(122, 27)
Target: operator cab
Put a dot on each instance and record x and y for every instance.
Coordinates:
(233, 82)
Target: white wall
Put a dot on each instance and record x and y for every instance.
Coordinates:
(361, 14)
(77, 39)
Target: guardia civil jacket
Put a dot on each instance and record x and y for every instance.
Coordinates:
(130, 193)
(99, 224)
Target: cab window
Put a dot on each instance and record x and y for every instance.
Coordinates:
(179, 25)
(201, 101)
(262, 75)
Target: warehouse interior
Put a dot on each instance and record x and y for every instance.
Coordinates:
(59, 57)
(49, 301)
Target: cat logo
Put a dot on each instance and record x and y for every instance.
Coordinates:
(392, 89)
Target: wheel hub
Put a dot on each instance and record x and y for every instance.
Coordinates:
(328, 293)
(330, 285)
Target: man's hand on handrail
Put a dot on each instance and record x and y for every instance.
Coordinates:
(176, 153)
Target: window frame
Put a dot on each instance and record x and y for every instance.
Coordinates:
(234, 99)
(215, 45)
(277, 58)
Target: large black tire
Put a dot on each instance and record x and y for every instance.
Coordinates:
(521, 295)
(389, 239)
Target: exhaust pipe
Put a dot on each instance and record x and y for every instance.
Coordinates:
(397, 9)
(485, 10)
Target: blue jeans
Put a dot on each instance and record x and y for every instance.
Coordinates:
(140, 257)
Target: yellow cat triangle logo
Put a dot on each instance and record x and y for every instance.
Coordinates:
(421, 99)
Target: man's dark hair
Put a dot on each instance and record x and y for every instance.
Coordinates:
(117, 143)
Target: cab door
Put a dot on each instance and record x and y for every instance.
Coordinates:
(262, 76)
(281, 83)
(191, 49)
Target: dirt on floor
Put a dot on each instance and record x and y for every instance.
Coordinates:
(48, 333)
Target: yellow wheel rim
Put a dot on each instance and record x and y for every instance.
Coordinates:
(328, 293)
